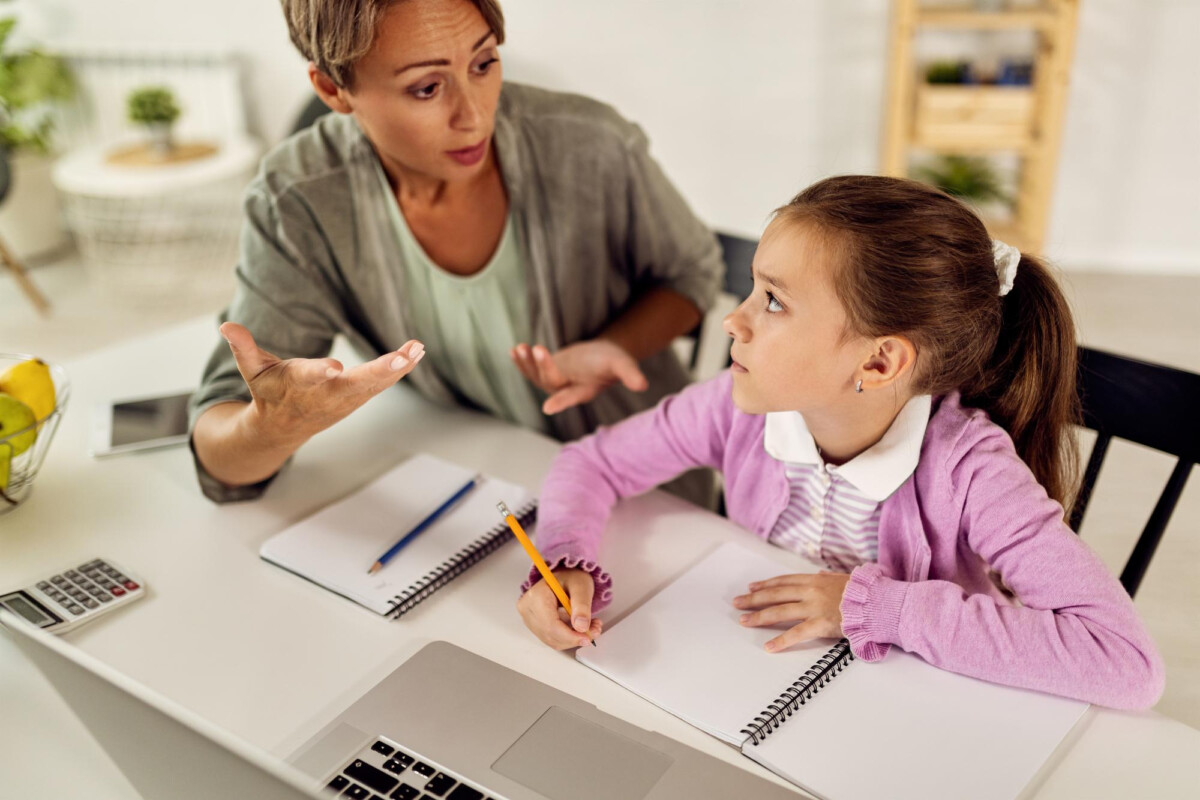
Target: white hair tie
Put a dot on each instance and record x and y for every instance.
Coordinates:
(1007, 257)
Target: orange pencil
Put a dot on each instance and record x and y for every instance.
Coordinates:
(535, 557)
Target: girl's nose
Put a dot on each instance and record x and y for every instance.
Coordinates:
(735, 325)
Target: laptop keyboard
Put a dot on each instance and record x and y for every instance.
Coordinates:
(385, 772)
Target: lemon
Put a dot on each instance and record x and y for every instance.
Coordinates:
(16, 416)
(30, 383)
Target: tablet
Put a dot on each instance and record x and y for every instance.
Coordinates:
(139, 423)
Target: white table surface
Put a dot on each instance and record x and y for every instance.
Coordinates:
(271, 657)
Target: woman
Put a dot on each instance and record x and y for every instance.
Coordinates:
(442, 205)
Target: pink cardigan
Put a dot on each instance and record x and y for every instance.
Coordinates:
(970, 506)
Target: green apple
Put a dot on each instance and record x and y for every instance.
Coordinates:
(16, 416)
(5, 465)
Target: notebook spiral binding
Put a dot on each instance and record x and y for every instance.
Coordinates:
(459, 563)
(817, 676)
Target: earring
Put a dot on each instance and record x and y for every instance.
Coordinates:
(858, 386)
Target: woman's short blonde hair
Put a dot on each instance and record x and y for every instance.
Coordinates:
(334, 34)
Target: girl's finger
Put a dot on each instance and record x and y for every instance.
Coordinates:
(773, 615)
(799, 579)
(804, 632)
(550, 375)
(565, 398)
(771, 596)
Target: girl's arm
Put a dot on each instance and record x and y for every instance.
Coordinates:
(1075, 631)
(684, 431)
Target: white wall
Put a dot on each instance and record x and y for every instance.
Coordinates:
(748, 101)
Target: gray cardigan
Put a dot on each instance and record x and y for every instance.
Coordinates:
(598, 223)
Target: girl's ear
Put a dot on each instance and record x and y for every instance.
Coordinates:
(330, 93)
(892, 360)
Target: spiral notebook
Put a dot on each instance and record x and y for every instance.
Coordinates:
(900, 728)
(335, 547)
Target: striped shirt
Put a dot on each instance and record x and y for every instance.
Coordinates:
(832, 515)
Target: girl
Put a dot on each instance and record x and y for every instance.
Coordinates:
(899, 409)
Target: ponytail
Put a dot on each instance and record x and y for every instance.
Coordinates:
(1028, 384)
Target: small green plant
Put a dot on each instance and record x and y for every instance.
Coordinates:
(970, 178)
(942, 72)
(31, 82)
(152, 105)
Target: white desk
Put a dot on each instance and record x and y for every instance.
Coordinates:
(271, 657)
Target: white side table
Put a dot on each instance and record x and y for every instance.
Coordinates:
(148, 231)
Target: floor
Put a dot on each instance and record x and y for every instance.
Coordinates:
(1150, 317)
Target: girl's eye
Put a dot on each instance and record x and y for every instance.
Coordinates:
(773, 304)
(424, 92)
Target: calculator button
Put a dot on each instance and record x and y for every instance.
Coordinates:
(72, 574)
(74, 609)
(59, 580)
(133, 587)
(90, 603)
(117, 591)
(104, 598)
(379, 747)
(43, 586)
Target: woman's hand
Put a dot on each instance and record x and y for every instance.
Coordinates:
(548, 620)
(815, 601)
(297, 398)
(578, 372)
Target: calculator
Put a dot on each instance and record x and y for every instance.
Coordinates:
(75, 596)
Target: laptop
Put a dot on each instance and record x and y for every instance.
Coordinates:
(446, 724)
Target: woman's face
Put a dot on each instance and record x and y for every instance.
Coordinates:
(426, 92)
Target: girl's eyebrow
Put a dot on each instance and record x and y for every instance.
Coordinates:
(777, 282)
(443, 62)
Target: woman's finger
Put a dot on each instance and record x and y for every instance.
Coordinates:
(566, 398)
(773, 615)
(250, 358)
(313, 371)
(377, 375)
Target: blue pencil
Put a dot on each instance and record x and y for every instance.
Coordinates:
(423, 524)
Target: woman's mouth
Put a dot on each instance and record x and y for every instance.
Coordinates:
(469, 156)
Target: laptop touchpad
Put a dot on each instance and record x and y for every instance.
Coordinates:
(563, 755)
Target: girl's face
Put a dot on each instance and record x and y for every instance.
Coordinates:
(426, 92)
(789, 349)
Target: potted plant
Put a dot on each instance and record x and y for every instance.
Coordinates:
(155, 108)
(32, 84)
(970, 178)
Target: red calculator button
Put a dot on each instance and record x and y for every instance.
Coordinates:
(117, 591)
(131, 586)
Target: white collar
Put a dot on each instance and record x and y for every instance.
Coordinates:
(877, 471)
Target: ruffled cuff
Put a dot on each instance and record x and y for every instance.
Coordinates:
(871, 611)
(601, 596)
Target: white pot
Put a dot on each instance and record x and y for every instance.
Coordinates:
(31, 216)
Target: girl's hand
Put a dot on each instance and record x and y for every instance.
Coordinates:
(548, 620)
(297, 398)
(815, 601)
(578, 372)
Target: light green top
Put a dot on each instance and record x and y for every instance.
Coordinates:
(469, 323)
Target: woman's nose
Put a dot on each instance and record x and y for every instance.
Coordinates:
(468, 111)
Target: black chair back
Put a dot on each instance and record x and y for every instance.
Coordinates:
(1150, 405)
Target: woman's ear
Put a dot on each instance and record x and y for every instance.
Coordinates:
(330, 93)
(893, 359)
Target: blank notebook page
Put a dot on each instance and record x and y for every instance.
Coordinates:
(684, 650)
(336, 546)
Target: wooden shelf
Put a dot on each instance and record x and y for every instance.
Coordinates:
(1023, 146)
(968, 19)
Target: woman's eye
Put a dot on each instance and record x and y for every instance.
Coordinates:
(424, 92)
(773, 304)
(484, 66)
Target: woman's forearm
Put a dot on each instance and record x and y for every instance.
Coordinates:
(234, 449)
(653, 322)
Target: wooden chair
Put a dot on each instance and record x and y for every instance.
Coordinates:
(6, 255)
(1150, 405)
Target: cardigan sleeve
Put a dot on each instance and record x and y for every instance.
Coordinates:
(684, 431)
(1074, 631)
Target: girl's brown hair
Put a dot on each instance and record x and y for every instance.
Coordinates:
(912, 260)
(334, 34)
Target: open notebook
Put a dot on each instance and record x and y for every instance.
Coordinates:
(899, 728)
(336, 546)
